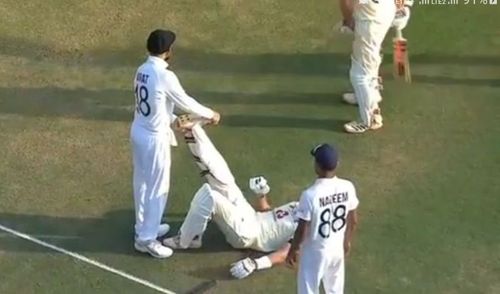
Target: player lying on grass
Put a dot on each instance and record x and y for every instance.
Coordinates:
(262, 229)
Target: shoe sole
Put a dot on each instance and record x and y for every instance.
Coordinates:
(143, 250)
(358, 132)
(354, 131)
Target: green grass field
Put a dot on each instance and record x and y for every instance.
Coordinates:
(427, 182)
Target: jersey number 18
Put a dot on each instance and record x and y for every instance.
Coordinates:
(332, 220)
(141, 100)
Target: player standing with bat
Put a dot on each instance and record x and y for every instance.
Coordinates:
(401, 60)
(370, 20)
(157, 92)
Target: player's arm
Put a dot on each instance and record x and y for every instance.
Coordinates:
(351, 219)
(347, 9)
(304, 214)
(352, 222)
(182, 100)
(262, 204)
(259, 186)
(245, 267)
(298, 239)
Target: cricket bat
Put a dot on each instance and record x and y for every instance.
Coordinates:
(401, 60)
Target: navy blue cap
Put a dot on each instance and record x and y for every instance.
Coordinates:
(325, 156)
(160, 41)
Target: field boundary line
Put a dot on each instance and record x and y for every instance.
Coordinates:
(41, 236)
(86, 260)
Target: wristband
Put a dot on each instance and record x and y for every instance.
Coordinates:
(263, 263)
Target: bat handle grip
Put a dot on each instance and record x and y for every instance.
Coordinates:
(399, 34)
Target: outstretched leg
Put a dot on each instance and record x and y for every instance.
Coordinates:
(213, 166)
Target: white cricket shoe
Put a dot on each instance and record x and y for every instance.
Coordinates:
(153, 248)
(163, 230)
(175, 243)
(355, 127)
(349, 98)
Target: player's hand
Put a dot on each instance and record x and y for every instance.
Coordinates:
(292, 258)
(176, 125)
(349, 23)
(343, 29)
(347, 248)
(243, 268)
(401, 19)
(215, 119)
(402, 3)
(259, 185)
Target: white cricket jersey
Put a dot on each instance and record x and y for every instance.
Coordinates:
(276, 227)
(325, 205)
(157, 91)
(374, 10)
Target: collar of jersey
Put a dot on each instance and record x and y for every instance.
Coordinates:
(158, 61)
(319, 180)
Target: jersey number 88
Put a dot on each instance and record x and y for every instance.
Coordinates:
(141, 99)
(329, 223)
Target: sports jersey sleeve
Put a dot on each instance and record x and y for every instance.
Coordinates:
(173, 118)
(304, 211)
(181, 99)
(353, 199)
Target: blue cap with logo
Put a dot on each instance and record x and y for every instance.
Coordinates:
(325, 156)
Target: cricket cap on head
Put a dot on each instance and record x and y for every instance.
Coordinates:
(160, 41)
(325, 156)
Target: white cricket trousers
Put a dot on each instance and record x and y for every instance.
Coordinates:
(213, 167)
(366, 59)
(232, 213)
(151, 180)
(318, 266)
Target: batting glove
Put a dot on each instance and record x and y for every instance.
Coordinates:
(259, 185)
(243, 268)
(402, 16)
(401, 19)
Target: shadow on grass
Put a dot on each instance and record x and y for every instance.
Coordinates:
(323, 64)
(113, 233)
(221, 273)
(441, 80)
(113, 105)
(116, 105)
(269, 98)
(263, 121)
